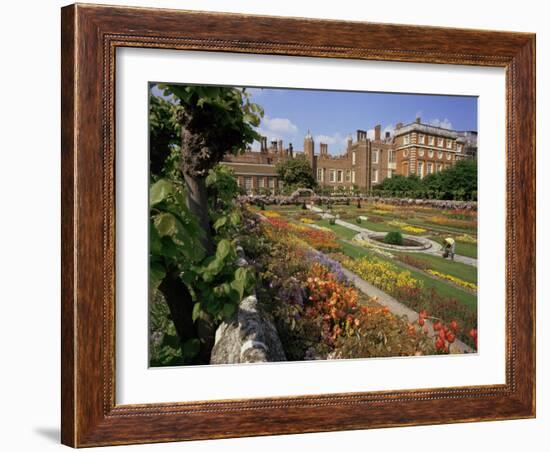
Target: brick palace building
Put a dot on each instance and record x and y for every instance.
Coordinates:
(414, 148)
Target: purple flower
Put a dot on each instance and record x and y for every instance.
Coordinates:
(331, 264)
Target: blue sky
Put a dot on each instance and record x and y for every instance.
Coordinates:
(332, 115)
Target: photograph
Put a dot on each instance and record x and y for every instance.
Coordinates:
(294, 224)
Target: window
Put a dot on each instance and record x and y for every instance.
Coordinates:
(448, 156)
(375, 156)
(421, 152)
(421, 139)
(405, 168)
(391, 156)
(271, 182)
(439, 154)
(390, 173)
(261, 182)
(353, 176)
(406, 139)
(348, 175)
(375, 176)
(320, 174)
(340, 176)
(459, 147)
(431, 141)
(440, 142)
(332, 176)
(421, 169)
(353, 158)
(449, 144)
(248, 183)
(280, 184)
(431, 153)
(439, 167)
(406, 153)
(429, 168)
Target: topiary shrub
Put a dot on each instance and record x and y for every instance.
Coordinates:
(332, 220)
(358, 220)
(394, 238)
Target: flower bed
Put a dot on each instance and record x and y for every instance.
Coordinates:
(383, 275)
(411, 292)
(445, 221)
(406, 227)
(453, 279)
(466, 238)
(318, 239)
(318, 313)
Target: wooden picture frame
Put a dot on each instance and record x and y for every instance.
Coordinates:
(90, 36)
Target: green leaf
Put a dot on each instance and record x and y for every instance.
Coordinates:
(234, 218)
(155, 245)
(166, 224)
(241, 274)
(238, 286)
(223, 249)
(191, 348)
(220, 222)
(159, 191)
(228, 309)
(157, 272)
(196, 311)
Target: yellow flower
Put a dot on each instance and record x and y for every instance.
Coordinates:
(453, 279)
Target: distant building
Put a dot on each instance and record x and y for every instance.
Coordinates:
(414, 148)
(424, 149)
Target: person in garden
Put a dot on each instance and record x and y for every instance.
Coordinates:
(449, 248)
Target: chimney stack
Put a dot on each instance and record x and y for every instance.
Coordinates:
(377, 129)
(418, 119)
(323, 148)
(263, 144)
(398, 125)
(387, 136)
(361, 135)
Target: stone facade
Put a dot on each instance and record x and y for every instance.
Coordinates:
(414, 148)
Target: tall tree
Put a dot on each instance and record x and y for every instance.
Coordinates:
(214, 121)
(196, 126)
(296, 172)
(164, 133)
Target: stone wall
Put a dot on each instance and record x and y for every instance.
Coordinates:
(250, 336)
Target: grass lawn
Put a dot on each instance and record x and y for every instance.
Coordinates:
(442, 229)
(458, 269)
(340, 231)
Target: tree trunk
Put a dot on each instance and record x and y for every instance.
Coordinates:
(180, 303)
(197, 202)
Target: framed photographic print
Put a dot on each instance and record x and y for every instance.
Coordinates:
(282, 225)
